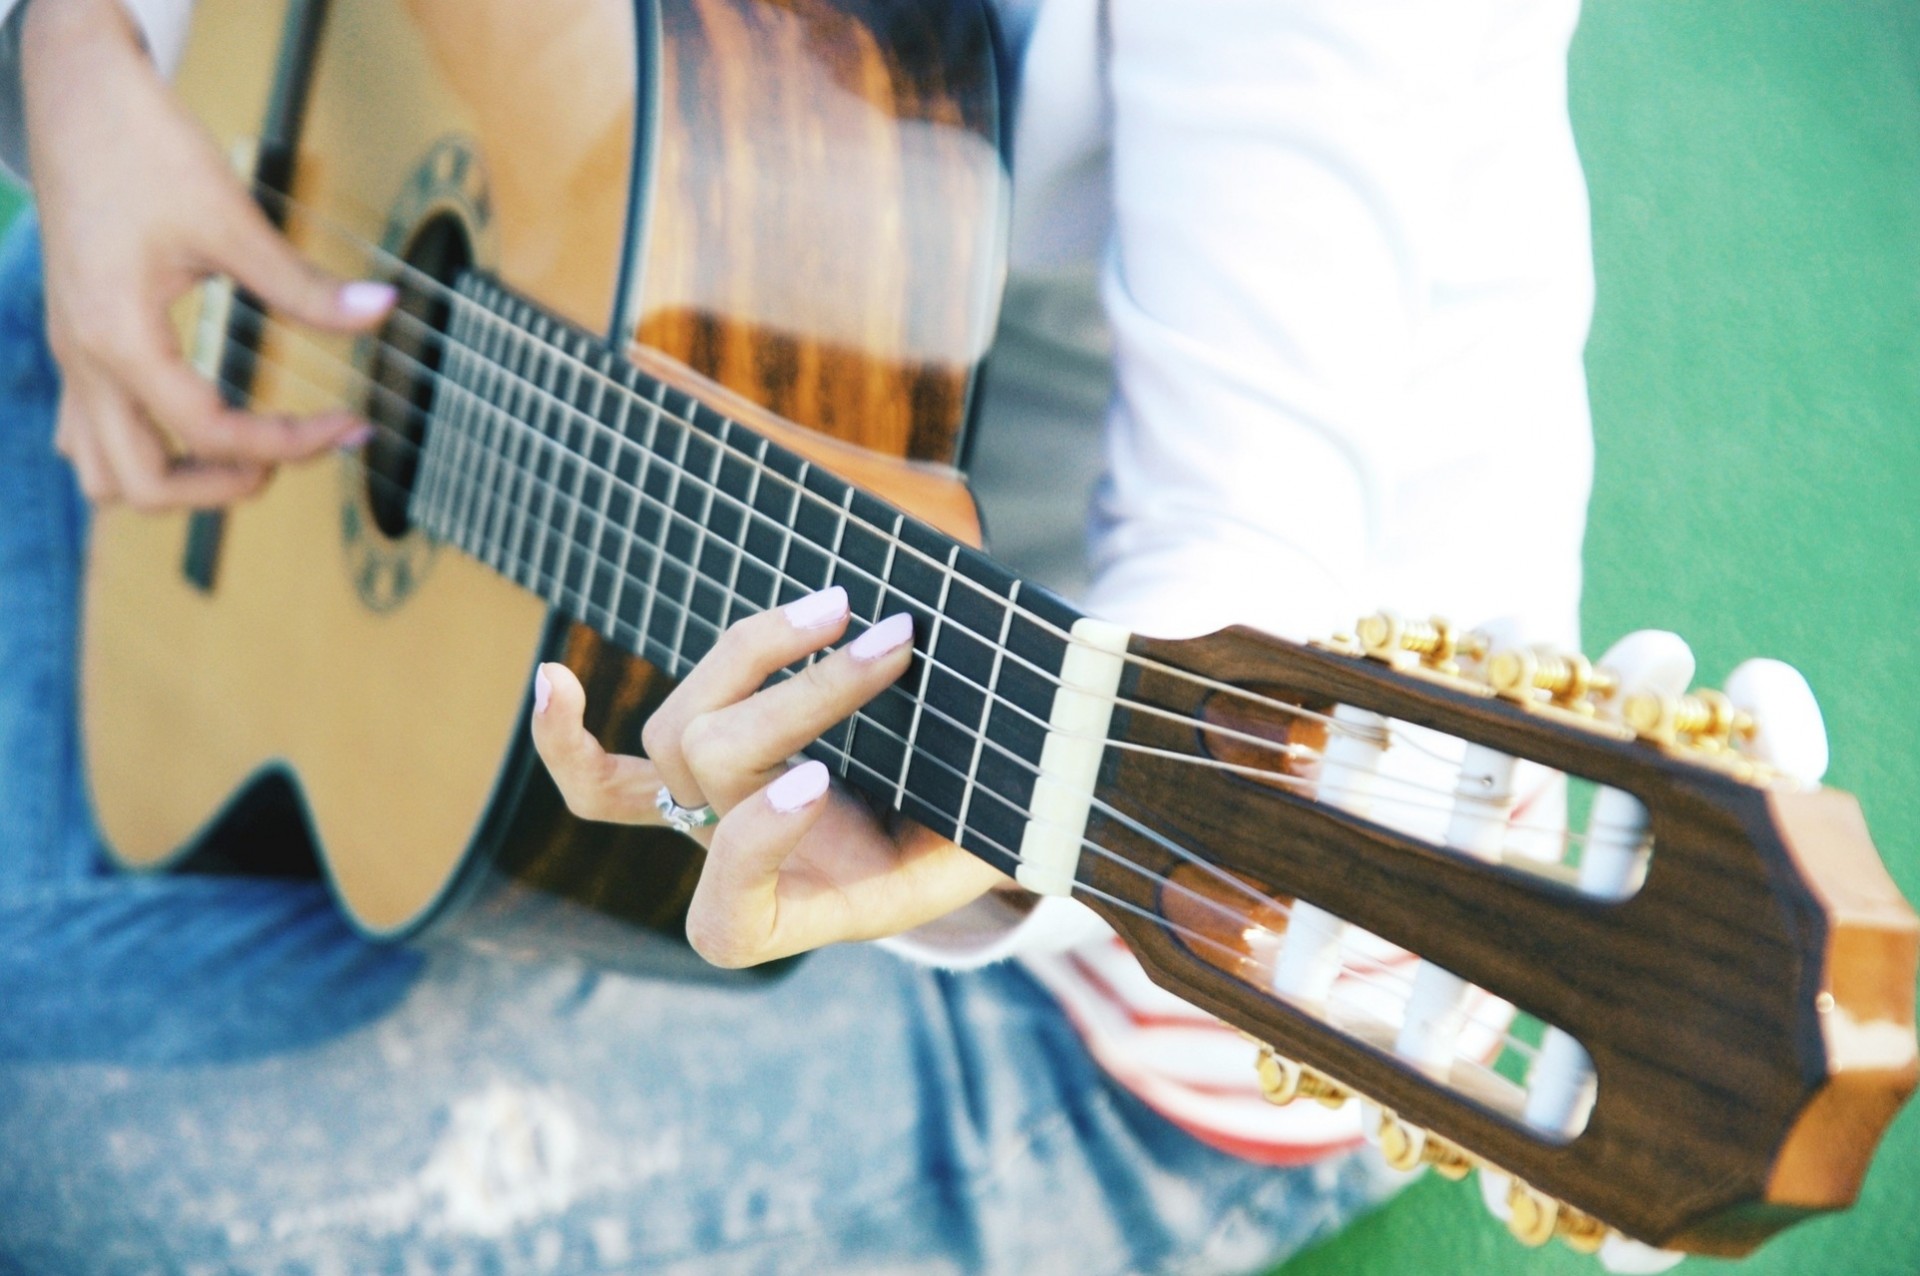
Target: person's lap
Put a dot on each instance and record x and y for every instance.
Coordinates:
(219, 1074)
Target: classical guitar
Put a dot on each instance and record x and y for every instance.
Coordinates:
(694, 292)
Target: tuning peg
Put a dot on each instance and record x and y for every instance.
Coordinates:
(1531, 1214)
(1535, 1218)
(1705, 720)
(1582, 1232)
(1519, 673)
(1789, 734)
(1283, 1080)
(1408, 1147)
(1435, 643)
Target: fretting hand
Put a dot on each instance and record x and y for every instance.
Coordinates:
(795, 862)
(136, 208)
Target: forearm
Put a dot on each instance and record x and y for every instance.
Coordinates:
(163, 28)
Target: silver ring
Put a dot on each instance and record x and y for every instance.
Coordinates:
(683, 819)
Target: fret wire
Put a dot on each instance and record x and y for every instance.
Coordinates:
(598, 515)
(550, 546)
(649, 450)
(582, 457)
(834, 558)
(431, 473)
(786, 529)
(474, 454)
(926, 669)
(525, 485)
(699, 547)
(606, 498)
(486, 508)
(458, 483)
(510, 499)
(986, 709)
(517, 490)
(439, 477)
(660, 550)
(746, 522)
(554, 546)
(550, 484)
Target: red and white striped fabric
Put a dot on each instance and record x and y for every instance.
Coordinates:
(1198, 1073)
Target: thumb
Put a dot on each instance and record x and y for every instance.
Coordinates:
(735, 918)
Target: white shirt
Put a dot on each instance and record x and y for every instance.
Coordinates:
(1343, 252)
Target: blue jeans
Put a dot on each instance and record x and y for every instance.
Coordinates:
(217, 1075)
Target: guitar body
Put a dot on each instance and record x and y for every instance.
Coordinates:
(801, 201)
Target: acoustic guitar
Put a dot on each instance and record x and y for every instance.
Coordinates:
(694, 292)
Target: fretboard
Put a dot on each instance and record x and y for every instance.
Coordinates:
(640, 511)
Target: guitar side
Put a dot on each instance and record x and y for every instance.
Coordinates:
(584, 155)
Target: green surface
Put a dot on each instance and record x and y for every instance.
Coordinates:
(1755, 362)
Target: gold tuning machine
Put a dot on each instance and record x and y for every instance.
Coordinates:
(1703, 719)
(1520, 673)
(1408, 1147)
(1435, 643)
(1536, 1218)
(1283, 1080)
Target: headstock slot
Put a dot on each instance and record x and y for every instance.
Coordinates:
(1235, 924)
(1697, 998)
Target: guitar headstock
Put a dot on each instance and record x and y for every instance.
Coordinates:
(1725, 969)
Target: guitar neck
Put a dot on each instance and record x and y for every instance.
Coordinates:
(639, 510)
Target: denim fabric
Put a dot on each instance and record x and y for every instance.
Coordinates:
(217, 1075)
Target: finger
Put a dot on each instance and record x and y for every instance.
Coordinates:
(147, 478)
(261, 260)
(73, 438)
(191, 410)
(597, 785)
(735, 750)
(735, 918)
(747, 654)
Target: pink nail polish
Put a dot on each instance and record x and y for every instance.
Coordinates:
(817, 611)
(357, 437)
(889, 635)
(798, 788)
(365, 298)
(542, 691)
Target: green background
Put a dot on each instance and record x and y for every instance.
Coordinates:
(1755, 364)
(1755, 167)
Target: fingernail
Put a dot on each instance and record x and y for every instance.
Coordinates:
(798, 788)
(817, 611)
(542, 691)
(366, 298)
(889, 635)
(359, 436)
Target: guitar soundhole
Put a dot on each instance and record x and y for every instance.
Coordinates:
(405, 368)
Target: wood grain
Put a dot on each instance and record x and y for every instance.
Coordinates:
(1699, 998)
